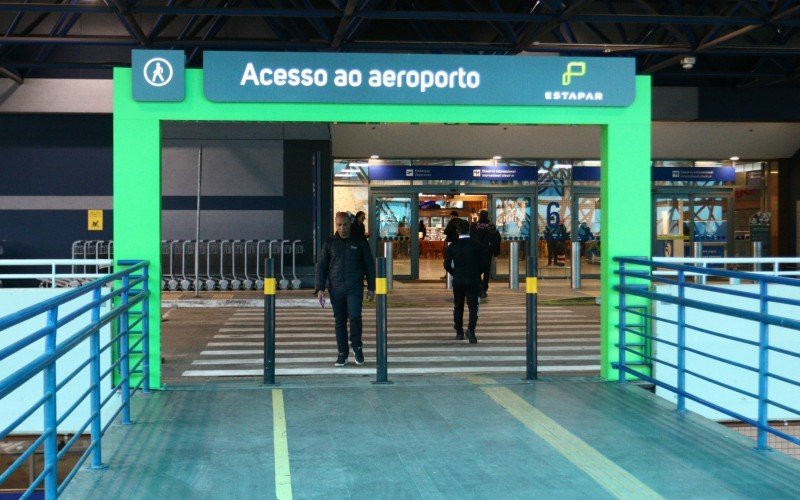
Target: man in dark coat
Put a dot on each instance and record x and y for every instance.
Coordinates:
(485, 233)
(465, 260)
(343, 264)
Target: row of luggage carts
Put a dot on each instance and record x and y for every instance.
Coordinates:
(225, 264)
(84, 250)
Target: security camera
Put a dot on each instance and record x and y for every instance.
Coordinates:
(688, 62)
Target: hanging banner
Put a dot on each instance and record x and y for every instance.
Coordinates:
(316, 77)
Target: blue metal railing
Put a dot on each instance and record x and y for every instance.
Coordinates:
(635, 344)
(128, 318)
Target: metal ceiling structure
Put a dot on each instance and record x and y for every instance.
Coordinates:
(733, 44)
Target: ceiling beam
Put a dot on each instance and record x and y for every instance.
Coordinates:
(344, 23)
(122, 11)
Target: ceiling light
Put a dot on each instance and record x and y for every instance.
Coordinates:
(374, 157)
(734, 158)
(497, 157)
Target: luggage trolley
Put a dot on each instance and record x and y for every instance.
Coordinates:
(236, 283)
(211, 283)
(172, 284)
(186, 283)
(259, 278)
(224, 283)
(283, 283)
(295, 282)
(247, 283)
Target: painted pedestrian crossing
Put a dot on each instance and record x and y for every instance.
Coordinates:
(420, 342)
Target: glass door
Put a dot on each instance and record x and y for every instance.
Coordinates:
(673, 220)
(513, 214)
(586, 230)
(710, 224)
(394, 218)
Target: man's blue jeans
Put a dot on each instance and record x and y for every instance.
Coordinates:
(346, 306)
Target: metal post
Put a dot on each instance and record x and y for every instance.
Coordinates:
(197, 225)
(576, 265)
(50, 428)
(381, 353)
(763, 367)
(513, 265)
(146, 330)
(681, 343)
(757, 248)
(270, 285)
(94, 352)
(387, 253)
(700, 279)
(531, 334)
(124, 347)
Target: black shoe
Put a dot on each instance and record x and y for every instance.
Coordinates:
(341, 360)
(359, 355)
(459, 336)
(471, 337)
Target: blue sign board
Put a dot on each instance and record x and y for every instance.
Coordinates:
(417, 79)
(443, 173)
(717, 174)
(158, 75)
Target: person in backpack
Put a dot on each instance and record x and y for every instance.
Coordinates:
(450, 231)
(487, 236)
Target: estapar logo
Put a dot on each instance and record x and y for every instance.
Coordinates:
(574, 69)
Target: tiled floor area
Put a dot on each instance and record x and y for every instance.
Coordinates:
(437, 437)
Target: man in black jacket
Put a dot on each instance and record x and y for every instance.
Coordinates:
(343, 264)
(450, 231)
(465, 260)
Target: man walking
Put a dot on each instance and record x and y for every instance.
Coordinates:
(344, 263)
(486, 234)
(465, 260)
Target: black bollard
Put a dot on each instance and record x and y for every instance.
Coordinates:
(381, 354)
(270, 285)
(531, 345)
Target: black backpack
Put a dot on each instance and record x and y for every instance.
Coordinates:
(487, 235)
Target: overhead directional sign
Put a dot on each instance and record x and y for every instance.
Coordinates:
(417, 79)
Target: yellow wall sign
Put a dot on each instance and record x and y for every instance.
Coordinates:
(95, 220)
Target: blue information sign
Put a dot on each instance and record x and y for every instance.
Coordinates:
(442, 173)
(158, 75)
(417, 79)
(717, 174)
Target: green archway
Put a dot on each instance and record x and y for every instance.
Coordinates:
(625, 178)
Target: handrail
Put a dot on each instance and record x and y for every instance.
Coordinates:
(53, 275)
(128, 315)
(638, 274)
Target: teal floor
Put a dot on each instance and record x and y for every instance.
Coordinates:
(432, 437)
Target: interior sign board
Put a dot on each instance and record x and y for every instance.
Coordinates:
(417, 79)
(95, 220)
(158, 75)
(459, 173)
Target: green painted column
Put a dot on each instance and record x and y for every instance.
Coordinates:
(137, 208)
(626, 220)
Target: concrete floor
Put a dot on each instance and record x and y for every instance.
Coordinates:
(432, 437)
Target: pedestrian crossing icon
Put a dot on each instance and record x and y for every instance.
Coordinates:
(158, 72)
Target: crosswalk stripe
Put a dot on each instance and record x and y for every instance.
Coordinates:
(393, 328)
(392, 370)
(447, 350)
(442, 340)
(394, 359)
(368, 349)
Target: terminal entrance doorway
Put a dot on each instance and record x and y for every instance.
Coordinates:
(411, 225)
(693, 224)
